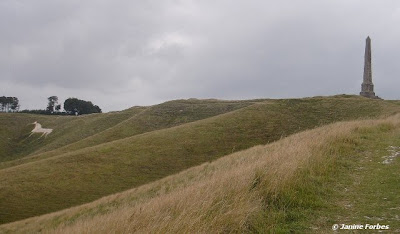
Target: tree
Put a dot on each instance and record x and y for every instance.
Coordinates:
(3, 103)
(15, 104)
(73, 105)
(8, 104)
(53, 100)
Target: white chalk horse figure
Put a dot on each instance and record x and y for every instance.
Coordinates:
(38, 129)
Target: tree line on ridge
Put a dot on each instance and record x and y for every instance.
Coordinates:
(72, 106)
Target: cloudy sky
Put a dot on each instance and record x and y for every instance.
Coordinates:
(122, 53)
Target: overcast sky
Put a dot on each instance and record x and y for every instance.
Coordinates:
(122, 53)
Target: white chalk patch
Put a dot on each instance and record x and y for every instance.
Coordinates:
(38, 129)
(394, 152)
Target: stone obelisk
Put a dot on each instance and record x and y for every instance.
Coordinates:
(367, 87)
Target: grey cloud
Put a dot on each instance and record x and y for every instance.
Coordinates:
(143, 52)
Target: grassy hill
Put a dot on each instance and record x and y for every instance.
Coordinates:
(72, 133)
(156, 142)
(15, 130)
(90, 130)
(303, 183)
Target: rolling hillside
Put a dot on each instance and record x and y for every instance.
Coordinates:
(150, 143)
(71, 133)
(15, 130)
(293, 185)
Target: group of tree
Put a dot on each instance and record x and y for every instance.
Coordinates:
(72, 106)
(9, 104)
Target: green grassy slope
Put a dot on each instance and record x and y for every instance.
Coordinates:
(301, 184)
(15, 130)
(161, 116)
(90, 173)
(92, 130)
(85, 126)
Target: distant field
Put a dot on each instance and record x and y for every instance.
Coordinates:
(97, 155)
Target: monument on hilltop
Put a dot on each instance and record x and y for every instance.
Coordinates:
(367, 87)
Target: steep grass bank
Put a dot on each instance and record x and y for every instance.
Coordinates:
(85, 175)
(281, 187)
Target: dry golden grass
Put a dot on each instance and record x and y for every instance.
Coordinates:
(227, 195)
